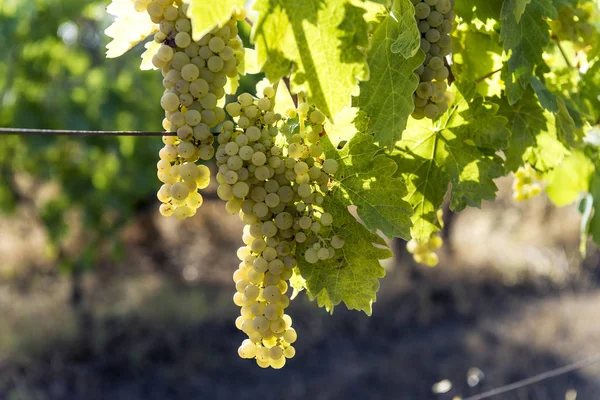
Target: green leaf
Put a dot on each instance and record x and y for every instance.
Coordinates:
(481, 9)
(402, 29)
(344, 127)
(151, 49)
(533, 139)
(586, 208)
(206, 14)
(565, 126)
(297, 282)
(365, 180)
(546, 97)
(594, 222)
(569, 179)
(456, 150)
(476, 55)
(129, 28)
(317, 42)
(387, 96)
(519, 8)
(352, 276)
(524, 39)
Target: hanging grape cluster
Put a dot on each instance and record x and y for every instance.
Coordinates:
(272, 171)
(195, 74)
(423, 251)
(277, 190)
(435, 20)
(527, 183)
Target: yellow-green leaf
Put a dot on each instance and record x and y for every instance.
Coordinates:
(207, 14)
(317, 42)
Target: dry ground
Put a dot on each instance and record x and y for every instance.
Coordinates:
(511, 297)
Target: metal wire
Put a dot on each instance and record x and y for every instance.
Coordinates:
(54, 132)
(586, 362)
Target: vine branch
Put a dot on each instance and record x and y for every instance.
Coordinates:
(58, 132)
(488, 75)
(562, 51)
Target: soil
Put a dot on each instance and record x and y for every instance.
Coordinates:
(510, 299)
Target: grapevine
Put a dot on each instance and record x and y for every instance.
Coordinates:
(372, 117)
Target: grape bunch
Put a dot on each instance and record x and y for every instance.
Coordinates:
(195, 74)
(435, 20)
(276, 187)
(423, 251)
(527, 183)
(272, 171)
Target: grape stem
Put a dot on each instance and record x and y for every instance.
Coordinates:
(562, 51)
(57, 132)
(488, 75)
(286, 80)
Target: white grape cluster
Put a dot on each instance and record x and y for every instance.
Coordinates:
(435, 20)
(527, 183)
(195, 75)
(276, 188)
(423, 251)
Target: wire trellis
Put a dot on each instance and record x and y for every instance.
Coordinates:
(55, 132)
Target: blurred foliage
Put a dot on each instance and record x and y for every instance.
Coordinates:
(53, 75)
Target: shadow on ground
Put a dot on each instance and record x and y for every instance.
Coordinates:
(159, 325)
(414, 339)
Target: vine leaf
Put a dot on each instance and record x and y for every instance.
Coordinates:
(568, 180)
(352, 276)
(482, 10)
(151, 49)
(593, 224)
(344, 127)
(393, 57)
(129, 28)
(524, 39)
(364, 180)
(317, 42)
(206, 14)
(458, 150)
(534, 139)
(519, 8)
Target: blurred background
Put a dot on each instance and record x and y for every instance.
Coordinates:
(101, 298)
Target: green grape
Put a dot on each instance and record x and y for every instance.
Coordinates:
(435, 63)
(431, 111)
(432, 35)
(330, 166)
(443, 6)
(435, 19)
(424, 90)
(422, 10)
